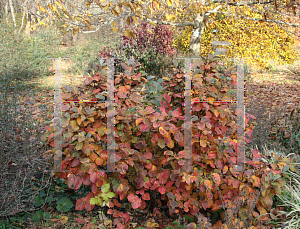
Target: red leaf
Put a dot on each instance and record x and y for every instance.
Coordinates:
(93, 177)
(93, 187)
(191, 226)
(179, 138)
(177, 112)
(80, 204)
(120, 226)
(204, 204)
(162, 190)
(123, 167)
(89, 207)
(80, 220)
(71, 180)
(86, 179)
(216, 178)
(146, 196)
(212, 155)
(163, 176)
(169, 184)
(110, 211)
(167, 98)
(135, 200)
(148, 155)
(235, 183)
(126, 218)
(74, 163)
(149, 110)
(78, 182)
(144, 127)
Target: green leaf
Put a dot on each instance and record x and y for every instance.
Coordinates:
(94, 201)
(38, 201)
(89, 135)
(42, 193)
(150, 77)
(99, 96)
(194, 118)
(276, 177)
(105, 188)
(286, 168)
(49, 199)
(134, 140)
(161, 143)
(213, 95)
(64, 204)
(110, 195)
(220, 16)
(105, 199)
(152, 89)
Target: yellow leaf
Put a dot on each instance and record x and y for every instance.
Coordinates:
(152, 23)
(42, 9)
(158, 6)
(117, 8)
(168, 17)
(106, 7)
(203, 143)
(54, 8)
(115, 29)
(115, 12)
(151, 225)
(248, 33)
(77, 18)
(270, 15)
(64, 219)
(169, 3)
(114, 23)
(132, 35)
(88, 4)
(127, 33)
(102, 1)
(128, 21)
(99, 5)
(135, 20)
(59, 5)
(87, 22)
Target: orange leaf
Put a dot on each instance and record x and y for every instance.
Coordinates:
(255, 180)
(208, 184)
(217, 178)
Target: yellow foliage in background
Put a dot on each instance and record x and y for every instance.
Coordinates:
(257, 42)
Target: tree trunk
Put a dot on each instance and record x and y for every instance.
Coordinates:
(196, 36)
(12, 12)
(27, 28)
(6, 13)
(21, 27)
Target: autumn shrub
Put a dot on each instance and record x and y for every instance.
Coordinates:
(151, 46)
(149, 153)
